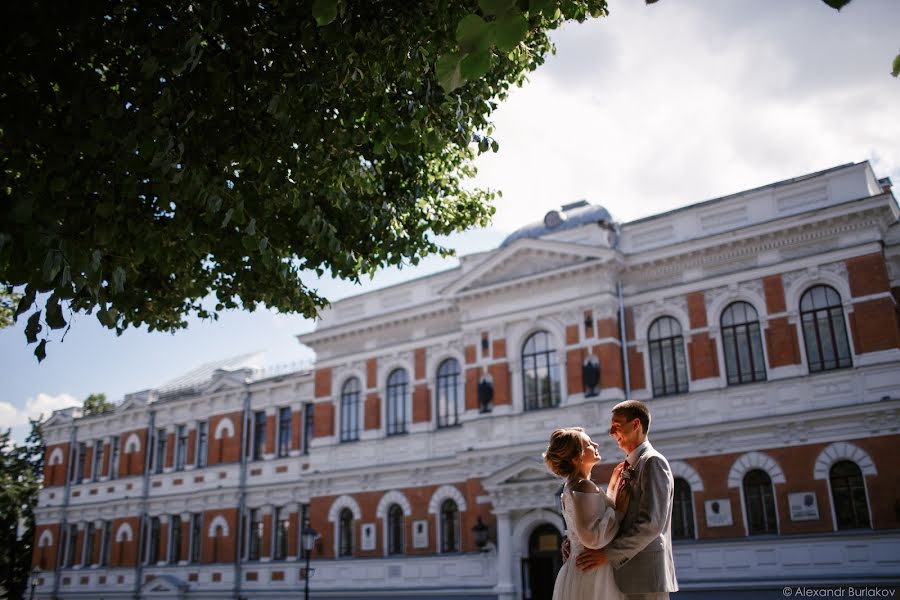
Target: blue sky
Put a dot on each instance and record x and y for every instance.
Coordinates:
(653, 108)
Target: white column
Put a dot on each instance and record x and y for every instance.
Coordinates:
(505, 588)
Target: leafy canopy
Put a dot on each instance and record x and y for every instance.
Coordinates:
(96, 404)
(21, 471)
(154, 154)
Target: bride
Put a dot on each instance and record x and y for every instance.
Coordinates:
(592, 518)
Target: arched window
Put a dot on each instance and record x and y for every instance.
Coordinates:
(824, 332)
(449, 526)
(448, 393)
(682, 511)
(350, 410)
(848, 493)
(395, 529)
(540, 373)
(345, 534)
(667, 365)
(397, 384)
(759, 503)
(742, 344)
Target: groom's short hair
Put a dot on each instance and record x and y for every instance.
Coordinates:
(634, 409)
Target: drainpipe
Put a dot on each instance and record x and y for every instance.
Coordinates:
(242, 496)
(64, 523)
(145, 491)
(624, 340)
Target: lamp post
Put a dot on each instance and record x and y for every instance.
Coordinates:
(480, 531)
(33, 579)
(309, 536)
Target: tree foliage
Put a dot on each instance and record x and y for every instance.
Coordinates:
(96, 404)
(21, 471)
(155, 154)
(9, 300)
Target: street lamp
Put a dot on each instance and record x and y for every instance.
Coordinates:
(308, 536)
(33, 579)
(480, 532)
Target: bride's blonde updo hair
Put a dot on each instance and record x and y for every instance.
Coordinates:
(564, 447)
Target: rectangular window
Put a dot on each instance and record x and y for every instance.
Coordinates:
(78, 476)
(97, 460)
(104, 544)
(307, 425)
(88, 553)
(71, 545)
(254, 537)
(196, 536)
(284, 431)
(160, 451)
(259, 435)
(181, 448)
(202, 444)
(175, 536)
(153, 542)
(281, 519)
(304, 523)
(114, 457)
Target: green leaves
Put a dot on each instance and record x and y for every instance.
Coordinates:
(895, 68)
(509, 31)
(141, 180)
(837, 4)
(325, 11)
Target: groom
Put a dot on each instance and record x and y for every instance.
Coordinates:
(641, 553)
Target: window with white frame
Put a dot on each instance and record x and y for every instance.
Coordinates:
(281, 523)
(540, 372)
(447, 395)
(397, 390)
(284, 432)
(668, 367)
(742, 344)
(97, 460)
(449, 526)
(682, 511)
(759, 503)
(848, 495)
(350, 409)
(345, 533)
(181, 444)
(824, 330)
(200, 456)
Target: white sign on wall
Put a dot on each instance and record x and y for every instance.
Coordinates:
(420, 534)
(368, 536)
(718, 513)
(804, 506)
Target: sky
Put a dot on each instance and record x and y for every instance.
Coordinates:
(650, 109)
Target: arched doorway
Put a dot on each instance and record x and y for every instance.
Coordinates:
(543, 562)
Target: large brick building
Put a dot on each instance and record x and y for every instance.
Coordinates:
(761, 328)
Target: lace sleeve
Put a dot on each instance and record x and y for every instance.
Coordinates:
(596, 521)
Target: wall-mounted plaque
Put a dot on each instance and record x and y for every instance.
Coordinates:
(718, 513)
(368, 536)
(420, 534)
(804, 506)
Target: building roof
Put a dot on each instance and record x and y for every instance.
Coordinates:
(570, 216)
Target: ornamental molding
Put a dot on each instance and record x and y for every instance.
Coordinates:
(658, 267)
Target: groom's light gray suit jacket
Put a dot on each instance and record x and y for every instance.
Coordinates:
(641, 553)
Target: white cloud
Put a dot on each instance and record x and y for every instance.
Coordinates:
(41, 406)
(662, 106)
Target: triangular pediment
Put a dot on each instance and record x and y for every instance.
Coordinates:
(526, 470)
(164, 585)
(135, 401)
(225, 380)
(524, 259)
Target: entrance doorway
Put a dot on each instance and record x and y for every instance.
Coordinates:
(543, 563)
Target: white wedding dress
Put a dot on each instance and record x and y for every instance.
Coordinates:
(592, 523)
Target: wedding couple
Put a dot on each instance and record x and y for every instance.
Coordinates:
(620, 540)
